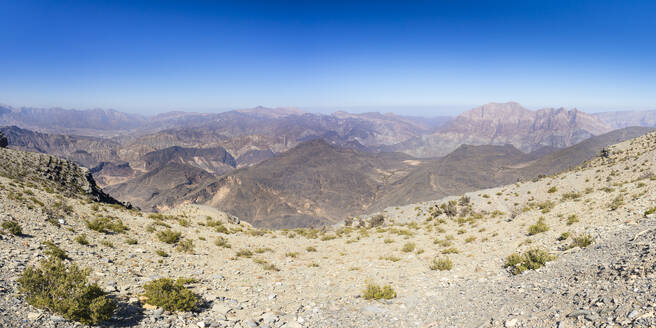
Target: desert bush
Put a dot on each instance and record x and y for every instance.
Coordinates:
(13, 227)
(169, 236)
(170, 295)
(291, 254)
(552, 190)
(530, 260)
(442, 242)
(222, 242)
(572, 219)
(64, 289)
(82, 239)
(376, 292)
(52, 250)
(564, 236)
(442, 264)
(185, 246)
(538, 227)
(244, 253)
(450, 250)
(161, 253)
(616, 203)
(408, 247)
(311, 249)
(650, 211)
(581, 241)
(131, 241)
(391, 258)
(107, 224)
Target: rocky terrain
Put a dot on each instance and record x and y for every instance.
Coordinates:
(595, 220)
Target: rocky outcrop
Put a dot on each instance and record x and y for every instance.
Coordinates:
(3, 141)
(60, 175)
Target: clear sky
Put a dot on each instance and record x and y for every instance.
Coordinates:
(417, 57)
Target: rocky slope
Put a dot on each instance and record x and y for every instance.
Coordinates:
(316, 278)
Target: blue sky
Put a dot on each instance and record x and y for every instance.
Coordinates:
(412, 57)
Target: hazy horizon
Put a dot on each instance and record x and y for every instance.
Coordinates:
(421, 58)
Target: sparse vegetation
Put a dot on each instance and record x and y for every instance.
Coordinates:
(581, 241)
(376, 292)
(169, 236)
(538, 227)
(170, 295)
(222, 242)
(13, 227)
(185, 246)
(52, 250)
(450, 250)
(572, 219)
(442, 264)
(82, 239)
(107, 224)
(616, 203)
(530, 260)
(64, 289)
(408, 247)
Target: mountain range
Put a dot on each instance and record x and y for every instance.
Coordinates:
(285, 168)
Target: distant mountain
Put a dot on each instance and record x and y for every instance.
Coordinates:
(85, 151)
(161, 187)
(475, 167)
(624, 119)
(507, 123)
(215, 160)
(69, 120)
(313, 183)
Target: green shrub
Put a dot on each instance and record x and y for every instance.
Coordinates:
(442, 264)
(107, 224)
(64, 289)
(82, 239)
(581, 241)
(376, 292)
(650, 211)
(170, 295)
(311, 249)
(13, 227)
(161, 253)
(538, 227)
(131, 241)
(564, 236)
(291, 254)
(552, 190)
(169, 236)
(530, 260)
(52, 250)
